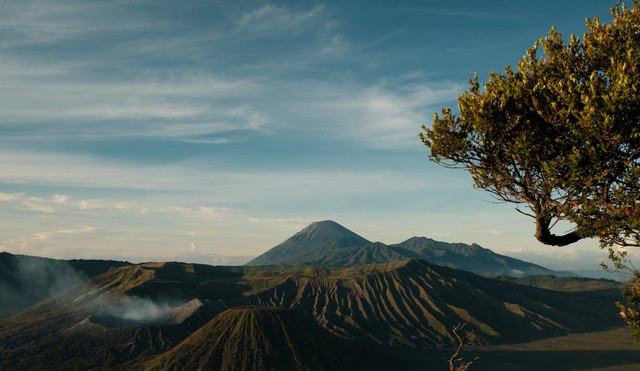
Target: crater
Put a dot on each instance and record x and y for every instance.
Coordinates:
(139, 312)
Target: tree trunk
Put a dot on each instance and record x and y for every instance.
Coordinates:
(544, 235)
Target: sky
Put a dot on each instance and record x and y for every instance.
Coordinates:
(210, 131)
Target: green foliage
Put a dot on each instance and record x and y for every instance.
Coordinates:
(560, 134)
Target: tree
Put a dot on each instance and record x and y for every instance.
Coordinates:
(457, 363)
(559, 136)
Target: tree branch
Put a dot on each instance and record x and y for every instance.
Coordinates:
(455, 363)
(544, 235)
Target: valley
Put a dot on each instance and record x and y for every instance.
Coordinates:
(397, 314)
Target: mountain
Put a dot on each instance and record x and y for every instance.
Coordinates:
(414, 303)
(265, 338)
(328, 243)
(135, 313)
(312, 241)
(25, 280)
(100, 323)
(473, 258)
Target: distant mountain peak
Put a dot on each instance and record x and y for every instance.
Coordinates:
(329, 243)
(313, 240)
(327, 230)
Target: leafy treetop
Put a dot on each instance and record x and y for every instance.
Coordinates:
(560, 134)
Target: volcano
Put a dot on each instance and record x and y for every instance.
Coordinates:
(329, 243)
(315, 240)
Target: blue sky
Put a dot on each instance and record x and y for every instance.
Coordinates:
(206, 130)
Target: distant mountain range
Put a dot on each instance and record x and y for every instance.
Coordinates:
(329, 243)
(25, 280)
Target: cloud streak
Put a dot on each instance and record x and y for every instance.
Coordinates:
(48, 234)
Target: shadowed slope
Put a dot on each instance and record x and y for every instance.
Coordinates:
(373, 253)
(263, 338)
(415, 303)
(25, 280)
(472, 258)
(408, 303)
(603, 289)
(89, 324)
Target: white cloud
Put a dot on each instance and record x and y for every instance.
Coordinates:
(48, 234)
(201, 105)
(273, 18)
(201, 212)
(41, 22)
(62, 170)
(337, 44)
(25, 201)
(60, 199)
(122, 205)
(5, 197)
(382, 115)
(59, 203)
(95, 204)
(37, 204)
(175, 106)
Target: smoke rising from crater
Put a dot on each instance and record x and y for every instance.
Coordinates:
(136, 310)
(29, 279)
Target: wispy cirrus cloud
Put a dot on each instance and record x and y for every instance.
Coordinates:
(55, 97)
(382, 115)
(64, 204)
(48, 234)
(36, 204)
(272, 18)
(180, 107)
(41, 22)
(465, 14)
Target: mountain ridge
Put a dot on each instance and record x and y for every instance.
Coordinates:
(346, 248)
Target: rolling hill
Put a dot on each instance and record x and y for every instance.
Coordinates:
(328, 243)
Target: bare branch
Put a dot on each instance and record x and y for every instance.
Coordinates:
(457, 363)
(524, 213)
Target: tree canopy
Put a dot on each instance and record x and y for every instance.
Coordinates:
(560, 134)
